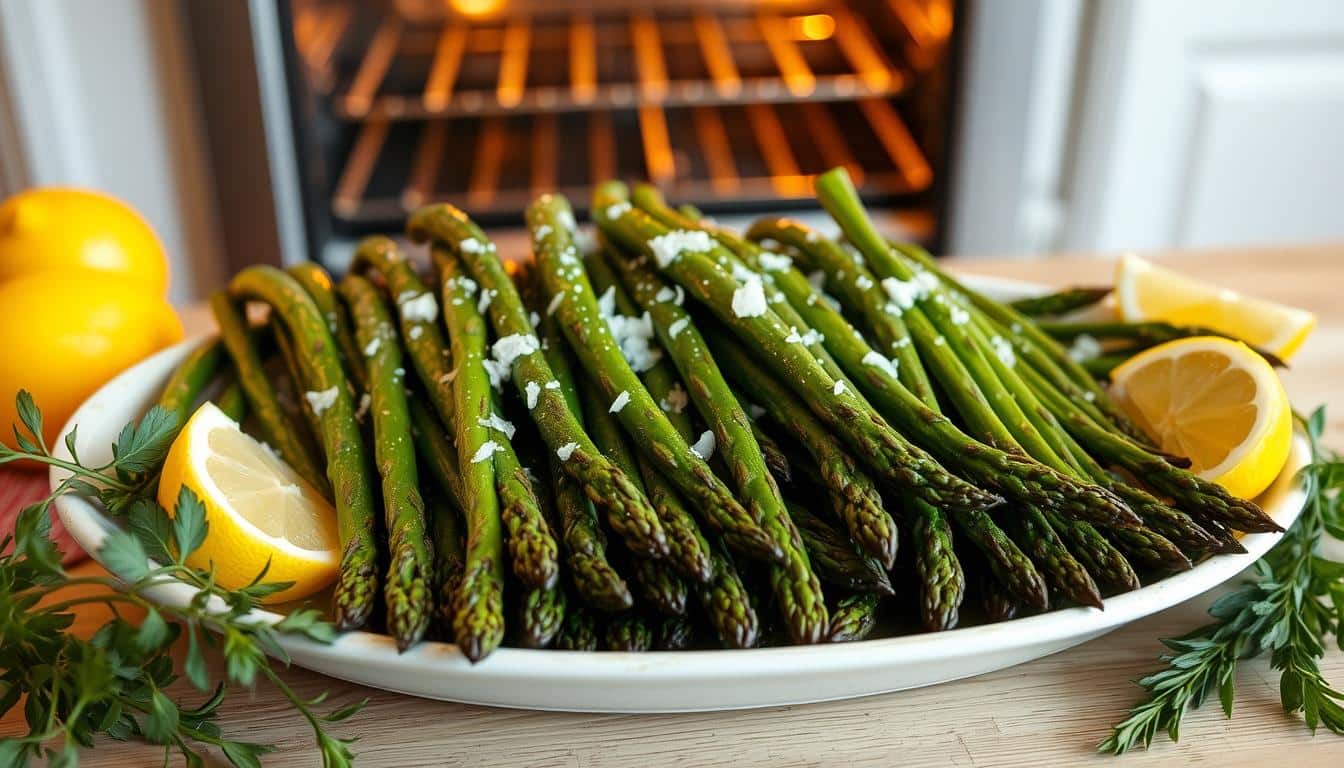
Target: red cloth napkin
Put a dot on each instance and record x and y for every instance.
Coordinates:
(18, 489)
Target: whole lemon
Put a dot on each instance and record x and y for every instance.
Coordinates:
(62, 229)
(64, 335)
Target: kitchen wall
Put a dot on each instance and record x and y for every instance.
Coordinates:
(97, 93)
(1144, 124)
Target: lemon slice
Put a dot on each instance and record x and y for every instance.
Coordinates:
(257, 508)
(1215, 401)
(1145, 291)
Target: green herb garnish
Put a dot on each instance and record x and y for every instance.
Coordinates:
(114, 683)
(1293, 603)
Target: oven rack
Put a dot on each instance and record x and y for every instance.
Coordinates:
(719, 156)
(406, 69)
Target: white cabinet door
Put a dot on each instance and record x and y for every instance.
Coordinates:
(1209, 122)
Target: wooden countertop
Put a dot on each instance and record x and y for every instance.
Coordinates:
(1051, 711)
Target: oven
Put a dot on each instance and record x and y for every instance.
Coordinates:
(366, 110)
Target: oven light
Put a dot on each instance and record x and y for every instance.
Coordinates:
(477, 8)
(815, 26)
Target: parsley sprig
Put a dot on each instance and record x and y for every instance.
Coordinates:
(113, 684)
(1294, 601)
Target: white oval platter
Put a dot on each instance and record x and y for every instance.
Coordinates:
(682, 681)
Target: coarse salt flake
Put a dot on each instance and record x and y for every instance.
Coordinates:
(371, 348)
(839, 387)
(1085, 348)
(666, 248)
(620, 402)
(1003, 349)
(749, 299)
(533, 391)
(321, 400)
(487, 449)
(774, 262)
(877, 360)
(566, 450)
(704, 447)
(499, 424)
(419, 309)
(678, 326)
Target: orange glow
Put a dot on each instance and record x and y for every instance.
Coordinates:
(816, 26)
(473, 9)
(940, 20)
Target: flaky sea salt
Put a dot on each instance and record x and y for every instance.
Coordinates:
(620, 402)
(839, 387)
(877, 360)
(666, 248)
(566, 450)
(533, 391)
(678, 326)
(419, 309)
(749, 299)
(321, 400)
(487, 449)
(704, 447)
(1085, 348)
(1003, 349)
(774, 262)
(499, 424)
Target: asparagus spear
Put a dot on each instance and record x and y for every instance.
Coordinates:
(725, 600)
(591, 341)
(1061, 302)
(852, 494)
(858, 292)
(533, 551)
(689, 551)
(854, 618)
(654, 581)
(796, 588)
(944, 584)
(692, 262)
(628, 632)
(478, 619)
(596, 581)
(232, 401)
(261, 399)
(1061, 568)
(773, 454)
(1030, 342)
(1197, 496)
(675, 633)
(518, 356)
(406, 590)
(196, 371)
(836, 560)
(445, 527)
(541, 614)
(1142, 335)
(317, 283)
(578, 632)
(356, 586)
(648, 199)
(289, 358)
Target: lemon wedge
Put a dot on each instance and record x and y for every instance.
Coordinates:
(257, 508)
(1215, 401)
(1145, 291)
